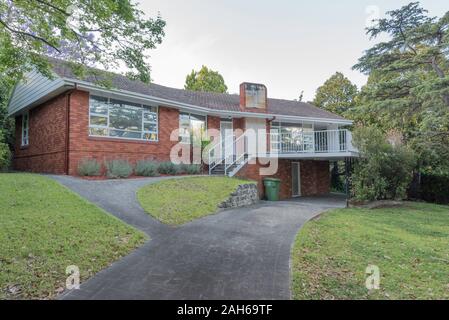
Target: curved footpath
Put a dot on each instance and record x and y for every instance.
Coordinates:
(236, 254)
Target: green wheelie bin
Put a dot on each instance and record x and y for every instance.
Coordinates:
(272, 187)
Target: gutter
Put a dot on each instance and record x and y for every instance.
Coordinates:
(189, 107)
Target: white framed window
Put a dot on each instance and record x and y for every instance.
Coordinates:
(124, 120)
(192, 128)
(25, 129)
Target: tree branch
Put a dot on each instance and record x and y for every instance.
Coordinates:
(53, 7)
(28, 35)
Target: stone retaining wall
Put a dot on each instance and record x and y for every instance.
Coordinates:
(244, 195)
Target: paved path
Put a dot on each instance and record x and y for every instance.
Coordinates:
(236, 254)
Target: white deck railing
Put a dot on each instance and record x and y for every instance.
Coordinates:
(326, 141)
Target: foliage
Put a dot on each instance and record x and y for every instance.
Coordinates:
(5, 154)
(384, 171)
(44, 228)
(177, 201)
(408, 244)
(168, 167)
(336, 95)
(147, 168)
(189, 168)
(205, 144)
(434, 188)
(408, 86)
(89, 167)
(6, 123)
(338, 178)
(205, 80)
(193, 169)
(109, 33)
(118, 169)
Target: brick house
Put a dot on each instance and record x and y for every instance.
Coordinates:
(63, 120)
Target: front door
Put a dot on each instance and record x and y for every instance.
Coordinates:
(296, 179)
(227, 140)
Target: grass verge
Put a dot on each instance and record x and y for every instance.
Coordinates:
(44, 228)
(409, 244)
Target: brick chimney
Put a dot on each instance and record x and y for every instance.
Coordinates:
(253, 97)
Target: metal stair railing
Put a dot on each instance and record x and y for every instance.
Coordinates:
(237, 160)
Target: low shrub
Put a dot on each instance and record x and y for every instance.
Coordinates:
(118, 169)
(147, 168)
(193, 169)
(5, 157)
(168, 168)
(89, 168)
(182, 168)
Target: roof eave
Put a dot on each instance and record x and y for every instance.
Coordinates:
(88, 86)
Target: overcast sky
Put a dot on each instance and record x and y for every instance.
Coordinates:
(287, 45)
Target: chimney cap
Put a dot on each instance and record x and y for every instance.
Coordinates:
(253, 95)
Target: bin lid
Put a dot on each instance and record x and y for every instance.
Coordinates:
(272, 179)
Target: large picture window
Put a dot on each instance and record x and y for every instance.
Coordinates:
(292, 136)
(124, 120)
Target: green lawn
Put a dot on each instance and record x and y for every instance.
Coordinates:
(44, 228)
(177, 201)
(409, 244)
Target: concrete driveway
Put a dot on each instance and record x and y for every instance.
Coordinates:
(236, 254)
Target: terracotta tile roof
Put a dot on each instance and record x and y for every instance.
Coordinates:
(213, 101)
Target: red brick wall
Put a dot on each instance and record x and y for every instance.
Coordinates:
(315, 178)
(213, 123)
(82, 146)
(47, 134)
(238, 123)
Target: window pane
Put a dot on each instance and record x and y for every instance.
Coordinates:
(150, 109)
(197, 117)
(98, 105)
(184, 127)
(150, 136)
(125, 103)
(125, 117)
(125, 134)
(307, 126)
(149, 127)
(198, 130)
(98, 132)
(192, 127)
(98, 121)
(152, 117)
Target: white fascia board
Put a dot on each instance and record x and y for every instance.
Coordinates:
(88, 86)
(316, 155)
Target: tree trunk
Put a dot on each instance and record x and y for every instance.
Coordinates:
(441, 75)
